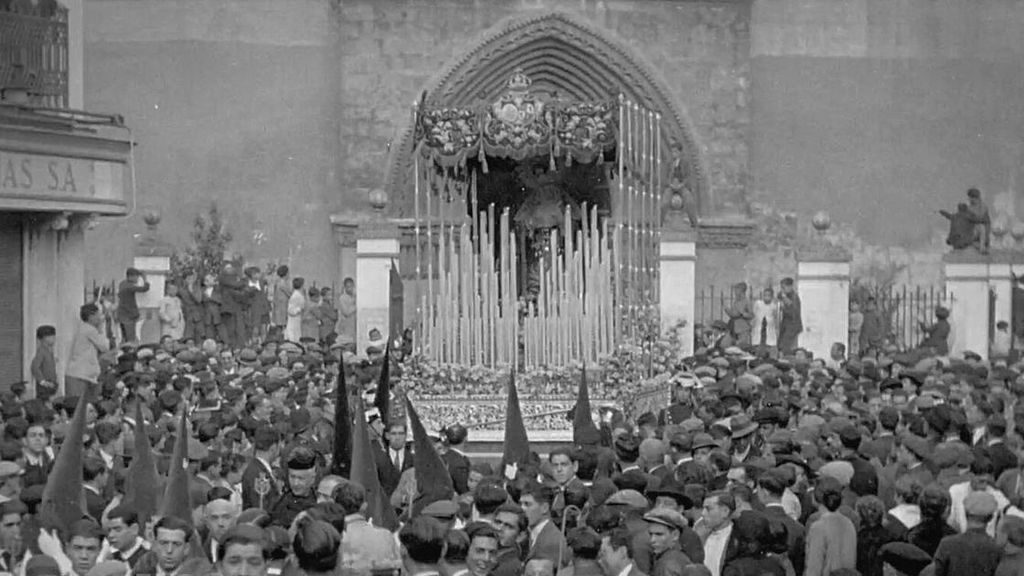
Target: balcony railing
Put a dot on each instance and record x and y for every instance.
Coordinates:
(34, 51)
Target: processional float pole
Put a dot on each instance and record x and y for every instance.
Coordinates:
(435, 347)
(617, 230)
(649, 225)
(657, 209)
(416, 232)
(627, 278)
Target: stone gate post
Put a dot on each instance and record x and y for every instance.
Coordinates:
(967, 283)
(823, 283)
(677, 255)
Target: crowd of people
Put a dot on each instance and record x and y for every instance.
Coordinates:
(767, 461)
(235, 308)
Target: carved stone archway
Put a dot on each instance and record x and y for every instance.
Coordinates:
(562, 55)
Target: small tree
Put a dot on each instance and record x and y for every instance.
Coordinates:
(210, 240)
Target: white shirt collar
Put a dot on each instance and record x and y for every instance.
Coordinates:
(139, 543)
(535, 531)
(741, 456)
(625, 571)
(108, 459)
(265, 463)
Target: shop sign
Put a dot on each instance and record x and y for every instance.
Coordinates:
(33, 175)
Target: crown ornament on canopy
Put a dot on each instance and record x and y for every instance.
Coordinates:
(519, 81)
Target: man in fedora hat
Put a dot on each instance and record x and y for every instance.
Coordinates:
(743, 428)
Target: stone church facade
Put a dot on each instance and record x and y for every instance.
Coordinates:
(296, 117)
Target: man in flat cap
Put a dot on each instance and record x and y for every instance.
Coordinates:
(664, 527)
(974, 552)
(299, 493)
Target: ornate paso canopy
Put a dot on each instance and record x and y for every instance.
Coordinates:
(520, 124)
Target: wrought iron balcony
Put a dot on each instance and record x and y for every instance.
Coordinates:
(34, 52)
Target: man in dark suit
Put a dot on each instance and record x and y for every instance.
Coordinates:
(300, 492)
(564, 465)
(127, 307)
(394, 458)
(546, 540)
(911, 453)
(458, 463)
(124, 544)
(865, 478)
(884, 444)
(200, 483)
(618, 558)
(95, 476)
(219, 515)
(260, 488)
(973, 552)
(787, 534)
(1002, 458)
(234, 304)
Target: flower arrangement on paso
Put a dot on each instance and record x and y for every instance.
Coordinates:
(637, 376)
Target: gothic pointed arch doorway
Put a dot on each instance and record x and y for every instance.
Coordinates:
(563, 55)
(526, 251)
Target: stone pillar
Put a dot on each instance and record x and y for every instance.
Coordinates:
(376, 247)
(152, 258)
(967, 283)
(823, 283)
(677, 257)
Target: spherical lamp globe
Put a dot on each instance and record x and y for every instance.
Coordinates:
(821, 221)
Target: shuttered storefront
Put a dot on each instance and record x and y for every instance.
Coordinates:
(11, 304)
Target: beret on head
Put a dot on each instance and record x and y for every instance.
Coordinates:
(905, 557)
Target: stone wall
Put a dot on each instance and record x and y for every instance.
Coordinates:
(884, 111)
(231, 101)
(880, 111)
